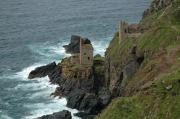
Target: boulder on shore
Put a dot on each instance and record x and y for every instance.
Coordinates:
(58, 115)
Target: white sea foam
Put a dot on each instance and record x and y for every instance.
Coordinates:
(4, 116)
(24, 73)
(59, 50)
(42, 108)
(100, 46)
(42, 89)
(50, 51)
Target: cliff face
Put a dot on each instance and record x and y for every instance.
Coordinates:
(82, 87)
(141, 74)
(144, 72)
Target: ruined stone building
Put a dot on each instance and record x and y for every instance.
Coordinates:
(85, 55)
(131, 31)
(79, 64)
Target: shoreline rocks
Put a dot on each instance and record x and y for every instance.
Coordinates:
(58, 115)
(42, 71)
(84, 94)
(90, 94)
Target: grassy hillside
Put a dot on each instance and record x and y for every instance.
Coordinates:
(153, 92)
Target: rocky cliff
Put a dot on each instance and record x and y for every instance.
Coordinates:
(85, 93)
(143, 74)
(139, 78)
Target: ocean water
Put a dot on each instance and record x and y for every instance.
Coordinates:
(32, 33)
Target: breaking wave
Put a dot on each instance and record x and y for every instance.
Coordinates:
(40, 89)
(4, 116)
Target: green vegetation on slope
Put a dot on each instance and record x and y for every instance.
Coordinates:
(154, 91)
(162, 32)
(162, 103)
(99, 64)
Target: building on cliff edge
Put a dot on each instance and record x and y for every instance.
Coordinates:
(81, 60)
(85, 55)
(129, 31)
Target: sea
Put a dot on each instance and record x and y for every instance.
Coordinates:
(32, 33)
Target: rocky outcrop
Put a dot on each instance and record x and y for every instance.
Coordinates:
(116, 79)
(84, 115)
(72, 84)
(75, 98)
(104, 96)
(85, 94)
(93, 93)
(58, 115)
(51, 70)
(55, 76)
(90, 103)
(81, 94)
(74, 45)
(42, 71)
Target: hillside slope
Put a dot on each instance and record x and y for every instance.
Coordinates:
(153, 91)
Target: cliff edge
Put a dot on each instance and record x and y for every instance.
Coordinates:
(143, 73)
(139, 77)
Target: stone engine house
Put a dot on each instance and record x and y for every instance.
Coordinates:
(131, 31)
(79, 64)
(85, 55)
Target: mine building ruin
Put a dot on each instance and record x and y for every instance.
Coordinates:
(129, 31)
(81, 51)
(79, 64)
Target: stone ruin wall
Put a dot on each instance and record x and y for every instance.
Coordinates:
(75, 59)
(83, 73)
(123, 30)
(86, 55)
(79, 65)
(131, 31)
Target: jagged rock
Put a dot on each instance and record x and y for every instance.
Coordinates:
(58, 115)
(57, 92)
(42, 71)
(130, 68)
(73, 84)
(89, 103)
(118, 88)
(116, 78)
(86, 85)
(74, 45)
(84, 115)
(104, 96)
(74, 98)
(55, 76)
